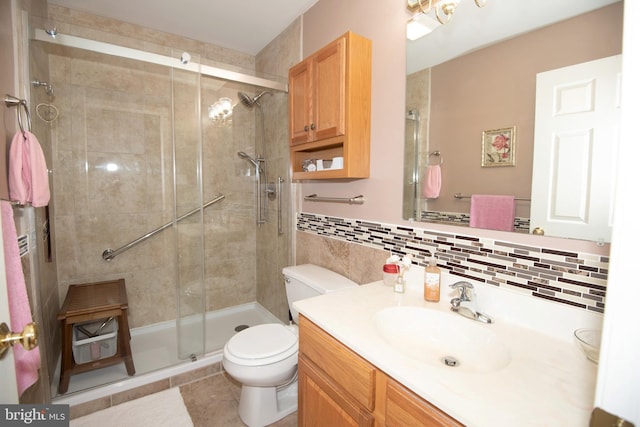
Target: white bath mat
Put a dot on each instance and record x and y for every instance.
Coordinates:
(165, 408)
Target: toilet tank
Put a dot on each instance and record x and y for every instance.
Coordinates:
(308, 280)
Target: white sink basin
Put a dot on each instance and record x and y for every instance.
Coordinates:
(442, 339)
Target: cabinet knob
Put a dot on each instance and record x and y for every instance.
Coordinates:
(313, 126)
(538, 231)
(306, 128)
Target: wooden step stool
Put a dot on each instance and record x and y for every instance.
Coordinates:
(87, 302)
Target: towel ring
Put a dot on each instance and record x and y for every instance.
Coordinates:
(12, 101)
(437, 154)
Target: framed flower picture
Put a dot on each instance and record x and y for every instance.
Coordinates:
(498, 147)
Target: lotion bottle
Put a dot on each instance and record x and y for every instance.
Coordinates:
(432, 281)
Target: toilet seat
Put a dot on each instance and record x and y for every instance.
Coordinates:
(261, 345)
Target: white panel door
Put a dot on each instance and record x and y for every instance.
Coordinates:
(576, 140)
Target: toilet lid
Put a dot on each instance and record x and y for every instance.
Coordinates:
(262, 341)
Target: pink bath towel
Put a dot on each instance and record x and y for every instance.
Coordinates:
(28, 175)
(493, 212)
(432, 182)
(27, 362)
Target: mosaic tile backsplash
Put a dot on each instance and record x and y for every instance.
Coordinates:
(572, 278)
(520, 225)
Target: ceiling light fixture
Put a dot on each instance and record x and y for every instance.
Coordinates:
(444, 8)
(420, 25)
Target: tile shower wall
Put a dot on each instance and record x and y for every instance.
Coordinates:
(274, 244)
(570, 278)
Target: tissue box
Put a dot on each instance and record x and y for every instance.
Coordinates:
(89, 349)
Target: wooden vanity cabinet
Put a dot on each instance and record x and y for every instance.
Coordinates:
(337, 387)
(330, 108)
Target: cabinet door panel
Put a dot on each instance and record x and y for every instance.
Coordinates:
(350, 371)
(300, 102)
(322, 404)
(404, 409)
(329, 91)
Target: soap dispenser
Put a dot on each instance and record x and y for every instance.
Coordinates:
(432, 281)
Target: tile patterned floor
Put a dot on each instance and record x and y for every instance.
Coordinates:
(213, 402)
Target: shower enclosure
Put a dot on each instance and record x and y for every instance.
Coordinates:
(135, 150)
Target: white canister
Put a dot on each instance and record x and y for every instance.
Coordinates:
(337, 163)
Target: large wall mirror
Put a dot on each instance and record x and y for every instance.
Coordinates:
(471, 105)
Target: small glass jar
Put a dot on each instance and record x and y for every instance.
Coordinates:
(390, 274)
(309, 165)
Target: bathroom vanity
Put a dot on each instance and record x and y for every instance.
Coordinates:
(338, 387)
(369, 356)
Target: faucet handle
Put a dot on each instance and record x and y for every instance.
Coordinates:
(462, 287)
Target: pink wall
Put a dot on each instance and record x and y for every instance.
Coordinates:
(384, 23)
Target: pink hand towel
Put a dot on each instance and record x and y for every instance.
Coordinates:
(28, 176)
(432, 182)
(492, 212)
(27, 362)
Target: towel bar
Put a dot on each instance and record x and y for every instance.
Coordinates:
(357, 200)
(462, 196)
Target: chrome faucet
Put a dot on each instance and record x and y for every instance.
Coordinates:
(465, 304)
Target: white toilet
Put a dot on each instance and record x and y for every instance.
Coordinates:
(264, 358)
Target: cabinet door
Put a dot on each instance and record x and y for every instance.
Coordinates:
(321, 404)
(350, 372)
(403, 409)
(300, 102)
(329, 90)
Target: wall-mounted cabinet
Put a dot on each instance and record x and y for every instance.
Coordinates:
(330, 110)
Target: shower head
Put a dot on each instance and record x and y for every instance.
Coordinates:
(247, 157)
(248, 101)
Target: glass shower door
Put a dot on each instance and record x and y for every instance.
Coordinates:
(189, 241)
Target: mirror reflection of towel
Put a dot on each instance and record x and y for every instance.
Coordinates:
(432, 182)
(492, 212)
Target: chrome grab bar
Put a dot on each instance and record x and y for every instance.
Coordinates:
(110, 254)
(260, 200)
(280, 184)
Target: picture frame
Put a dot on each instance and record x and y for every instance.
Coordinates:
(499, 147)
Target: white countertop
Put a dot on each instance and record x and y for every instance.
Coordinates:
(549, 381)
